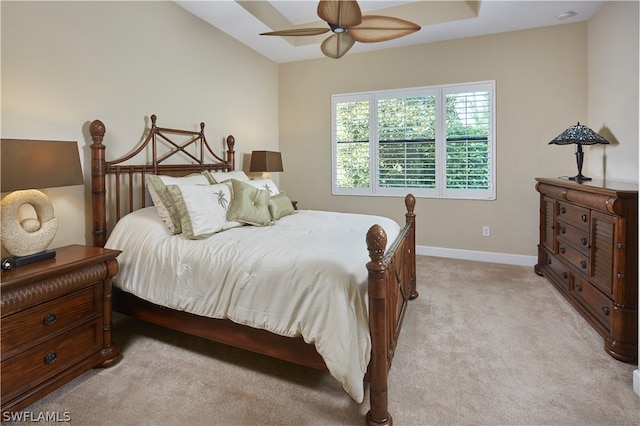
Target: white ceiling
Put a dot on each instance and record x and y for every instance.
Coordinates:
(440, 20)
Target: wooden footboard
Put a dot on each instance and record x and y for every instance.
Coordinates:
(392, 283)
(392, 271)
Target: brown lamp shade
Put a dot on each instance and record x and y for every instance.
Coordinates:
(266, 161)
(35, 164)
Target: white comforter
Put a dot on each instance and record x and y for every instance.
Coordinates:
(303, 276)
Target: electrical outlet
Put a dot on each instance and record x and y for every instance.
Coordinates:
(486, 231)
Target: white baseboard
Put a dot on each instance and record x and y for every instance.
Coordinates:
(636, 381)
(480, 256)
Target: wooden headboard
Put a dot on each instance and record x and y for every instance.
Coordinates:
(126, 182)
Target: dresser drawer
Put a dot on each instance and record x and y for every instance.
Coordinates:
(47, 319)
(579, 260)
(590, 297)
(577, 237)
(578, 216)
(47, 359)
(558, 268)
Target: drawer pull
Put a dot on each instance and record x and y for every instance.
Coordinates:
(584, 241)
(605, 310)
(563, 230)
(49, 319)
(50, 358)
(583, 218)
(563, 210)
(565, 275)
(562, 250)
(583, 264)
(578, 287)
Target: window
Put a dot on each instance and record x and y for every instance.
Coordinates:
(435, 141)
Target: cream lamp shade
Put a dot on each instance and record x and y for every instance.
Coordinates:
(28, 165)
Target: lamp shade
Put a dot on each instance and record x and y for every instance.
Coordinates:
(578, 134)
(266, 161)
(35, 164)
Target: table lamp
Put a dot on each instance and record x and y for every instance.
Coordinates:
(26, 165)
(266, 162)
(579, 135)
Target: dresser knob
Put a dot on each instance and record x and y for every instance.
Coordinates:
(50, 358)
(584, 241)
(562, 250)
(563, 230)
(583, 218)
(583, 264)
(578, 287)
(50, 319)
(563, 210)
(605, 310)
(619, 275)
(565, 275)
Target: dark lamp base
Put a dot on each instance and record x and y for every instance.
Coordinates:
(16, 261)
(580, 178)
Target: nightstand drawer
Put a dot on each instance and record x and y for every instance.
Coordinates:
(34, 324)
(47, 359)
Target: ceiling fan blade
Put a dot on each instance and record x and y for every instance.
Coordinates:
(298, 32)
(337, 45)
(374, 28)
(339, 12)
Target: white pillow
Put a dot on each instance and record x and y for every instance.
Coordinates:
(219, 177)
(265, 184)
(202, 209)
(157, 186)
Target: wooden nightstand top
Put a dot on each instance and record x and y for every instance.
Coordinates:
(67, 259)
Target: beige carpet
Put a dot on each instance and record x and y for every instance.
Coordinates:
(484, 344)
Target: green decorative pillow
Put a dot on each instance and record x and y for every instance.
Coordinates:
(249, 205)
(280, 205)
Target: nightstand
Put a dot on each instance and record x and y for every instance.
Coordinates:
(56, 322)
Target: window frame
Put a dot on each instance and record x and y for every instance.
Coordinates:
(440, 191)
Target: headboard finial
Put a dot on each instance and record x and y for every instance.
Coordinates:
(153, 120)
(97, 129)
(202, 126)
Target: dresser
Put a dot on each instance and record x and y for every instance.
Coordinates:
(56, 322)
(589, 251)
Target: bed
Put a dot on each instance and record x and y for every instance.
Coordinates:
(211, 265)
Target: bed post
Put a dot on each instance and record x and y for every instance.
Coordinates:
(231, 154)
(410, 203)
(379, 365)
(98, 189)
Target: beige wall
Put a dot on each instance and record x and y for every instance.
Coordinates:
(613, 91)
(538, 96)
(67, 63)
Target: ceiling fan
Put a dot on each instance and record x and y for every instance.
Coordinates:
(348, 26)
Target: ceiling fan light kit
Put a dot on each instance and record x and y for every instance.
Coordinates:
(348, 26)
